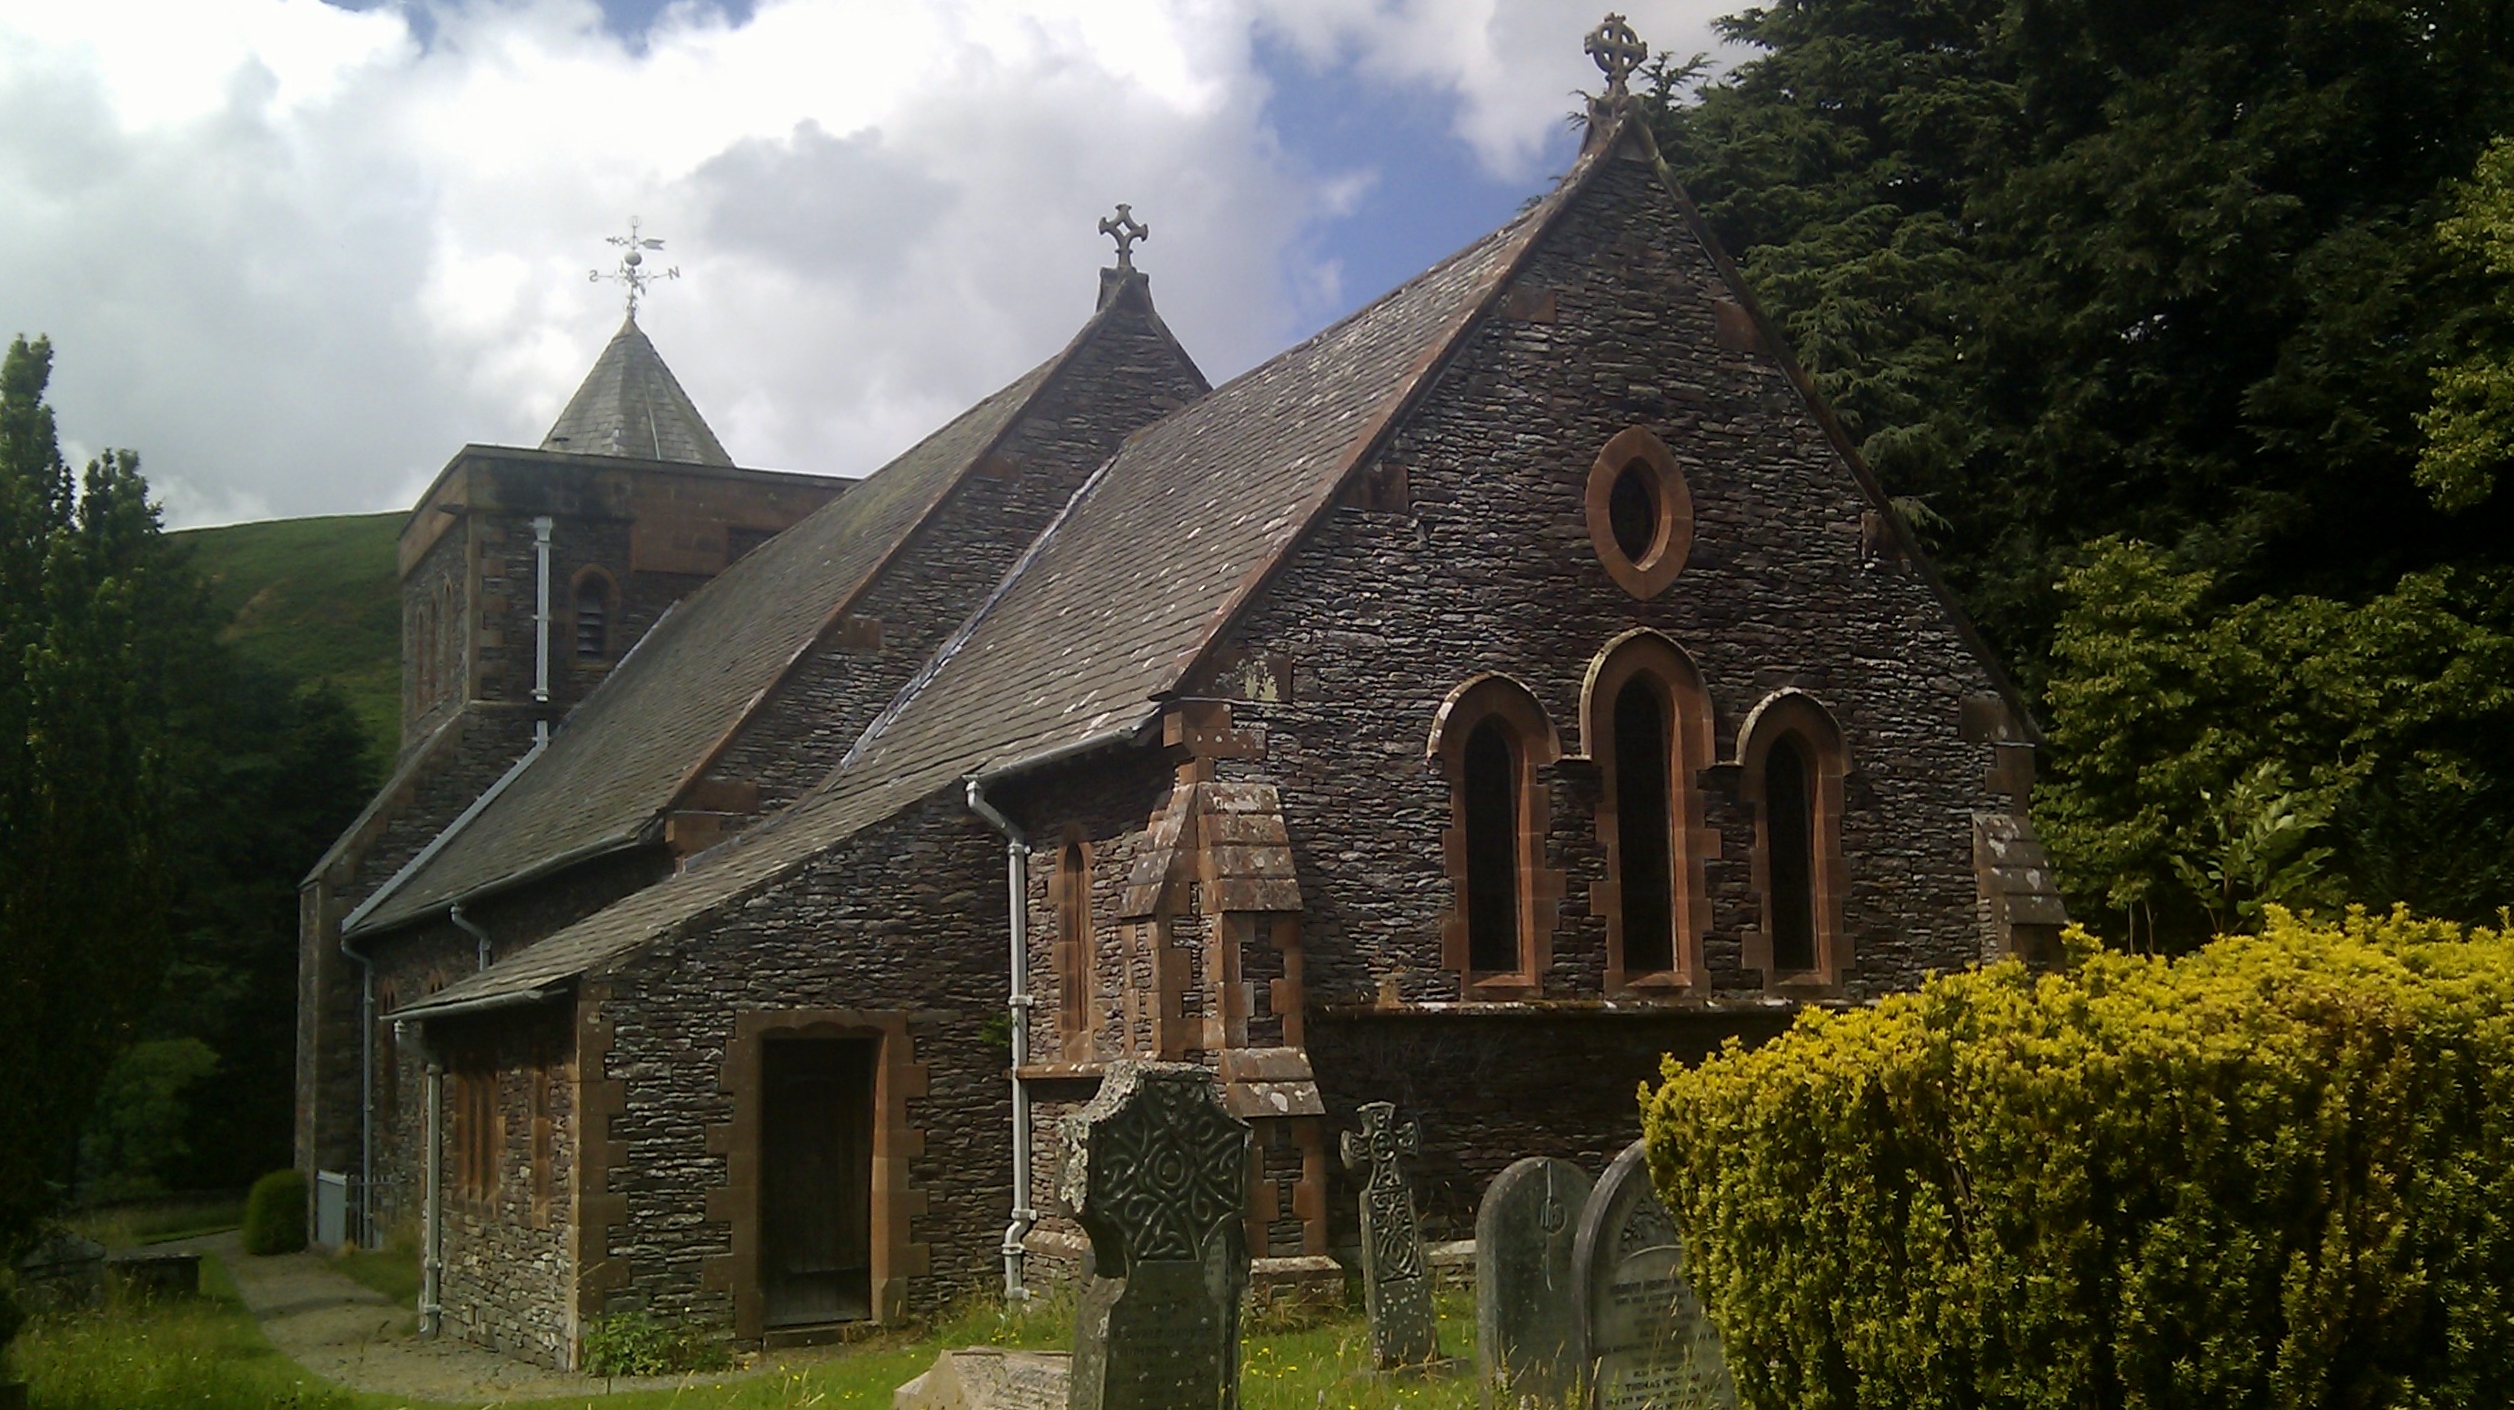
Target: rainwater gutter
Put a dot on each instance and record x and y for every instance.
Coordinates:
(1017, 909)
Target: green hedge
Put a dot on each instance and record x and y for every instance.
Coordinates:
(2277, 1172)
(275, 1213)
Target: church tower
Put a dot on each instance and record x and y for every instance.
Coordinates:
(527, 573)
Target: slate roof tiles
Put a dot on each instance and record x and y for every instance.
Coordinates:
(1111, 606)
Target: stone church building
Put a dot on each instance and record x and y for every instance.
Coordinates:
(1519, 680)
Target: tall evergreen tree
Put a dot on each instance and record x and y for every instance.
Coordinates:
(2083, 275)
(93, 630)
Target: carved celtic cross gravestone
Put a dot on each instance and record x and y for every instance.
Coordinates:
(1158, 1177)
(1527, 1313)
(1650, 1344)
(1396, 1286)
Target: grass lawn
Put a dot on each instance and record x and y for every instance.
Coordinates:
(207, 1354)
(319, 599)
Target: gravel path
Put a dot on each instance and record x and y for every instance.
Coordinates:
(344, 1331)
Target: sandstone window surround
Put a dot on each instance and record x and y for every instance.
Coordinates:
(1074, 951)
(1645, 720)
(1640, 512)
(1491, 738)
(592, 596)
(1792, 761)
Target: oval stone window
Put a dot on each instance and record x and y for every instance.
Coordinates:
(1640, 512)
(1632, 512)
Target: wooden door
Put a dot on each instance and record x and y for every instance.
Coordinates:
(816, 1180)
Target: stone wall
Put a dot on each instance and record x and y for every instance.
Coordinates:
(509, 1262)
(418, 960)
(906, 920)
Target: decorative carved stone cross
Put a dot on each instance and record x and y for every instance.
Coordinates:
(1158, 1177)
(1126, 230)
(633, 271)
(1396, 1288)
(1617, 50)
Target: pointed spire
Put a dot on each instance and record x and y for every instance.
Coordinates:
(631, 405)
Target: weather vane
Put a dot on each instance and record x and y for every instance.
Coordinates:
(1126, 230)
(633, 271)
(1617, 50)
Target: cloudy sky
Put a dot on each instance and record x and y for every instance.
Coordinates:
(297, 252)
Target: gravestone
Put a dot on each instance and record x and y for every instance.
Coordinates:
(989, 1378)
(64, 1273)
(1158, 1177)
(156, 1272)
(1527, 1314)
(1647, 1343)
(1396, 1280)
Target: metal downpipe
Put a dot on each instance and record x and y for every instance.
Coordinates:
(432, 1237)
(1017, 902)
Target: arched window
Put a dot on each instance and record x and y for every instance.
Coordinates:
(1491, 811)
(593, 616)
(1789, 819)
(1644, 870)
(1073, 952)
(1646, 722)
(1793, 761)
(1491, 737)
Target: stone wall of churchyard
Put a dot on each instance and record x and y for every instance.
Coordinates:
(509, 1266)
(1489, 1089)
(1126, 376)
(418, 960)
(905, 918)
(1485, 564)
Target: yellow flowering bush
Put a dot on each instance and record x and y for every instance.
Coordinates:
(2276, 1172)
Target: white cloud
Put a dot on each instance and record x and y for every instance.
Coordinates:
(297, 257)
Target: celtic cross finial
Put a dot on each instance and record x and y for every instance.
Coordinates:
(1126, 230)
(633, 271)
(1617, 50)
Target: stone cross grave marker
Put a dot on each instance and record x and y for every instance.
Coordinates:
(1396, 1286)
(1159, 1180)
(1648, 1344)
(1527, 1314)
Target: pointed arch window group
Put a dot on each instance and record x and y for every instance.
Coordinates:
(1646, 724)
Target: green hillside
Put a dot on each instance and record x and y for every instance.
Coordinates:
(315, 598)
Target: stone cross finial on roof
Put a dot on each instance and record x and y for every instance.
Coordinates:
(1126, 230)
(633, 271)
(1617, 50)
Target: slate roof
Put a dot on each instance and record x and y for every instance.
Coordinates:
(626, 752)
(1109, 607)
(632, 405)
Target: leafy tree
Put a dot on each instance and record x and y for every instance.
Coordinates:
(2071, 268)
(92, 626)
(159, 799)
(2207, 752)
(2470, 428)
